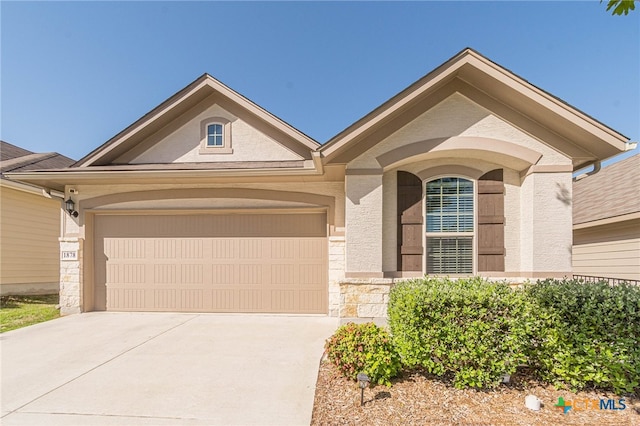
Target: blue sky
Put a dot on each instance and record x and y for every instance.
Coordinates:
(73, 74)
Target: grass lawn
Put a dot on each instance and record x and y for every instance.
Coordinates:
(22, 311)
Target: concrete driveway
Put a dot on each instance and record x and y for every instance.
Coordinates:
(163, 369)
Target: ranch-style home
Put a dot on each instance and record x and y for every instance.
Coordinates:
(209, 203)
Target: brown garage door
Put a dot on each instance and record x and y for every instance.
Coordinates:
(211, 263)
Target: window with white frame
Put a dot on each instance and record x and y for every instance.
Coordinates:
(215, 135)
(449, 226)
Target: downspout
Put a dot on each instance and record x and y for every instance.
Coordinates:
(597, 165)
(52, 193)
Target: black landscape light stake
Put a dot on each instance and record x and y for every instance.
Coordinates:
(363, 381)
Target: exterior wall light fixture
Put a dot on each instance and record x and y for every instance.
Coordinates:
(70, 206)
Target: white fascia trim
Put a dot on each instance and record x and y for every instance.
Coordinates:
(31, 189)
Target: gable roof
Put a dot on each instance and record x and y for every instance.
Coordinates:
(566, 128)
(611, 193)
(16, 159)
(9, 151)
(194, 93)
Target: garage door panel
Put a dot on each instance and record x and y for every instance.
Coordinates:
(222, 274)
(223, 301)
(192, 300)
(156, 263)
(132, 298)
(126, 273)
(282, 274)
(222, 248)
(192, 274)
(311, 275)
(282, 300)
(192, 249)
(163, 299)
(310, 298)
(164, 274)
(310, 249)
(251, 300)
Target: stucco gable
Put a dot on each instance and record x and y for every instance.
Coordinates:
(185, 143)
(164, 134)
(439, 131)
(530, 109)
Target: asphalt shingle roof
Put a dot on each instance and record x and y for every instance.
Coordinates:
(614, 191)
(16, 159)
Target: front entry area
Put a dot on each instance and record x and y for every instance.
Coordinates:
(244, 262)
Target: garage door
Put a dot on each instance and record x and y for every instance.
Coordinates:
(211, 263)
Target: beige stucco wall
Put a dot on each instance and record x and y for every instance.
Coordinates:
(512, 224)
(546, 225)
(389, 221)
(363, 230)
(336, 273)
(537, 212)
(330, 189)
(29, 231)
(183, 145)
(611, 251)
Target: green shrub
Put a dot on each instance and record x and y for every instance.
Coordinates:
(471, 328)
(591, 334)
(363, 348)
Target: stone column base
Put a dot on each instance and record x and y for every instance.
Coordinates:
(365, 298)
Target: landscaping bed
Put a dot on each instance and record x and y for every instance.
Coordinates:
(418, 399)
(22, 311)
(451, 344)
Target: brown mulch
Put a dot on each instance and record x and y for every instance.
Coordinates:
(418, 399)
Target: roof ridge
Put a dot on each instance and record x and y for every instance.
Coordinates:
(17, 162)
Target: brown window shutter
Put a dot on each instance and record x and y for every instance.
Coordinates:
(410, 228)
(491, 222)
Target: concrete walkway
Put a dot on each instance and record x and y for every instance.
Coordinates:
(163, 369)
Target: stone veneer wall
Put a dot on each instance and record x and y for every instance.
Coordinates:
(336, 273)
(365, 298)
(71, 277)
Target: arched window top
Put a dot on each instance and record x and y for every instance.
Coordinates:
(215, 136)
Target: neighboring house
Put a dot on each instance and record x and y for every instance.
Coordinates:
(29, 225)
(606, 222)
(210, 203)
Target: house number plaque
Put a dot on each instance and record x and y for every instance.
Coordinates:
(69, 255)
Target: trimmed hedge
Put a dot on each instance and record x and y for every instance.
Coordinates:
(590, 335)
(364, 348)
(572, 333)
(475, 330)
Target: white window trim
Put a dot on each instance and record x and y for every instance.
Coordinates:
(215, 134)
(473, 235)
(226, 136)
